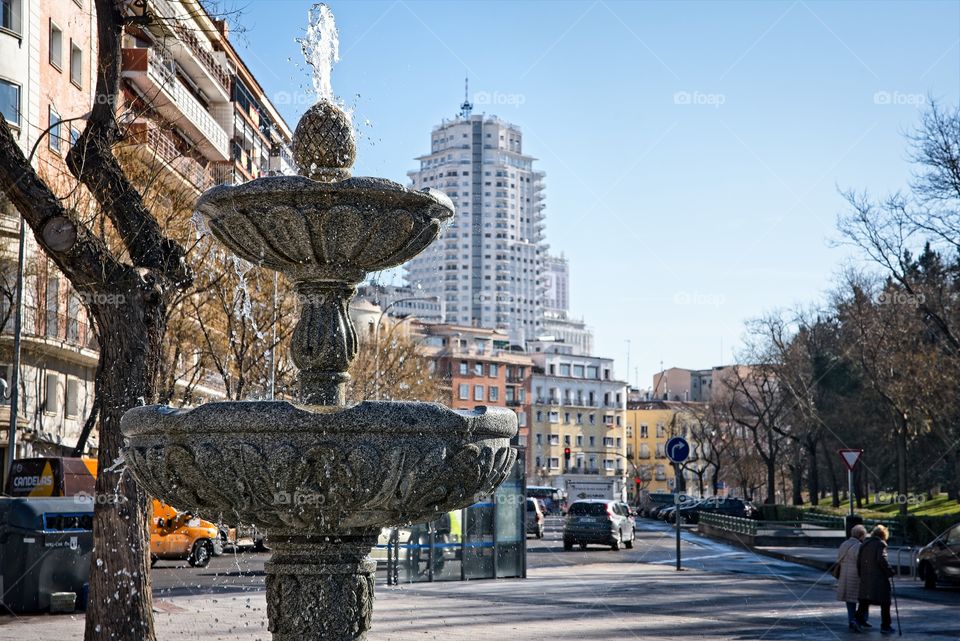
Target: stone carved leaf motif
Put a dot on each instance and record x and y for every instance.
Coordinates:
(252, 478)
(283, 231)
(390, 232)
(208, 491)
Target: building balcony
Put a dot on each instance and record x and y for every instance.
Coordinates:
(57, 335)
(153, 75)
(514, 403)
(200, 62)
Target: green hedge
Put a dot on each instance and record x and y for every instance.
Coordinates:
(920, 530)
(912, 529)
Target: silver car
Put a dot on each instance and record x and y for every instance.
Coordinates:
(600, 522)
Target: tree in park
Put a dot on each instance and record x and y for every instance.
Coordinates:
(129, 287)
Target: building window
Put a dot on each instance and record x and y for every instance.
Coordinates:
(554, 439)
(478, 369)
(73, 397)
(554, 417)
(608, 441)
(607, 464)
(579, 440)
(554, 463)
(539, 439)
(53, 135)
(52, 404)
(643, 431)
(660, 430)
(76, 65)
(564, 369)
(578, 371)
(478, 392)
(493, 370)
(463, 368)
(660, 450)
(644, 450)
(566, 418)
(619, 442)
(493, 394)
(579, 419)
(566, 439)
(74, 136)
(56, 46)
(619, 422)
(10, 102)
(608, 419)
(464, 392)
(593, 441)
(593, 419)
(10, 16)
(539, 415)
(538, 461)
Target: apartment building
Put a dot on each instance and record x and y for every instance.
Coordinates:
(487, 264)
(576, 403)
(478, 367)
(191, 112)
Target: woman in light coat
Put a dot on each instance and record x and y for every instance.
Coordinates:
(848, 585)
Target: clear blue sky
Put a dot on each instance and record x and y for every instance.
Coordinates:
(693, 151)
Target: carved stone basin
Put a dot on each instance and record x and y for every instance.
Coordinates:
(319, 470)
(334, 231)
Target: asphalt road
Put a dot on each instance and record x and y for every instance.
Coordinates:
(655, 546)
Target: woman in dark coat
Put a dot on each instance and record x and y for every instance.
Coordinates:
(875, 573)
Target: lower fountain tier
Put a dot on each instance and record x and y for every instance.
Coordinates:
(285, 467)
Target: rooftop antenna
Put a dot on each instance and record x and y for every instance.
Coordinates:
(467, 106)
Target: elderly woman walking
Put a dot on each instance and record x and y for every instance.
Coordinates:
(875, 573)
(848, 587)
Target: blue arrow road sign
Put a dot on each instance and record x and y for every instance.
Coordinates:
(678, 450)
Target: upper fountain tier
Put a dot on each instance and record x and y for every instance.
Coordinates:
(322, 225)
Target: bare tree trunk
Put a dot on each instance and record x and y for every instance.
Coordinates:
(902, 464)
(120, 578)
(813, 474)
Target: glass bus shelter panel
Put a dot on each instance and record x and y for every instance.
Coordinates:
(510, 513)
(478, 543)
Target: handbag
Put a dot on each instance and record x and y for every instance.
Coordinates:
(835, 570)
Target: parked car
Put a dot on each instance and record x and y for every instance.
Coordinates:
(651, 502)
(600, 522)
(687, 510)
(535, 517)
(729, 506)
(939, 560)
(181, 535)
(552, 499)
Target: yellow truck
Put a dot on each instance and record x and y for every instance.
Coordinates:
(181, 535)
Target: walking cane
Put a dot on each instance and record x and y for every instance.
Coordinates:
(896, 607)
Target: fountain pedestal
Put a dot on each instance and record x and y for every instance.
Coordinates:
(320, 588)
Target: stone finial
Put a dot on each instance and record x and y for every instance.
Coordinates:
(323, 143)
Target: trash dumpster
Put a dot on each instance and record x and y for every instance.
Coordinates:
(45, 547)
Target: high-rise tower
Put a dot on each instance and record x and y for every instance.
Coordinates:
(487, 265)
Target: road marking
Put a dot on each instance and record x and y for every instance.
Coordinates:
(697, 558)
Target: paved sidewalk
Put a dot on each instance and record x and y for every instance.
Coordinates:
(822, 558)
(596, 602)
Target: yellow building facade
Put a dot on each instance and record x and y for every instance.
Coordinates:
(647, 430)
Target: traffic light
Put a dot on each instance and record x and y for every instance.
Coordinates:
(637, 481)
(566, 454)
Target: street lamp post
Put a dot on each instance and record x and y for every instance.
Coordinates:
(376, 338)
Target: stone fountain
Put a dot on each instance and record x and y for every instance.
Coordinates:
(318, 477)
